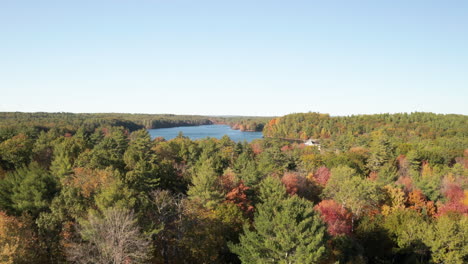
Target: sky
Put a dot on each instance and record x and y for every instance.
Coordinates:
(260, 58)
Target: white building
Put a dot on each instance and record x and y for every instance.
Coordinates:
(312, 142)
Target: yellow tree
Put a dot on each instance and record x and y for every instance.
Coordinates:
(16, 240)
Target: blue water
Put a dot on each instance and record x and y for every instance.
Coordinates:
(197, 132)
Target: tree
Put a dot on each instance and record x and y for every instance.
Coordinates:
(28, 189)
(65, 153)
(395, 199)
(17, 240)
(353, 192)
(141, 163)
(113, 238)
(387, 175)
(407, 228)
(246, 169)
(322, 175)
(457, 200)
(286, 230)
(166, 216)
(15, 152)
(238, 196)
(381, 151)
(108, 152)
(204, 187)
(43, 147)
(448, 239)
(337, 218)
(418, 202)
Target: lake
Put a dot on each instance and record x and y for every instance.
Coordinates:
(198, 132)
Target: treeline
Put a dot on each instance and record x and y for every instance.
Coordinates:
(434, 136)
(116, 196)
(244, 123)
(405, 126)
(71, 122)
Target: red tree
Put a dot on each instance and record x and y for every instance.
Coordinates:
(457, 201)
(322, 175)
(337, 218)
(238, 196)
(292, 182)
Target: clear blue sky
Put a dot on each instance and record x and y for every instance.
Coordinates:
(234, 57)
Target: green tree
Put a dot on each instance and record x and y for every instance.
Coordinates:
(407, 228)
(44, 146)
(352, 191)
(28, 189)
(65, 153)
(204, 186)
(140, 162)
(381, 151)
(108, 152)
(246, 169)
(15, 152)
(286, 230)
(448, 239)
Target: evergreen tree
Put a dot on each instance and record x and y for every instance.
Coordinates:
(286, 230)
(28, 189)
(382, 151)
(246, 168)
(204, 185)
(141, 163)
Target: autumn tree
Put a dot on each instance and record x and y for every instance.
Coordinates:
(113, 237)
(457, 200)
(17, 240)
(322, 175)
(238, 196)
(337, 218)
(417, 201)
(395, 199)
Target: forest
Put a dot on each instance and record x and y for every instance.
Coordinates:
(12, 123)
(95, 188)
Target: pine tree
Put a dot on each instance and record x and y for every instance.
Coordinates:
(141, 163)
(286, 229)
(381, 151)
(204, 185)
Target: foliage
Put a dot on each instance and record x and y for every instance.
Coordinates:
(388, 188)
(447, 239)
(335, 216)
(204, 187)
(286, 230)
(353, 192)
(17, 240)
(28, 189)
(113, 237)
